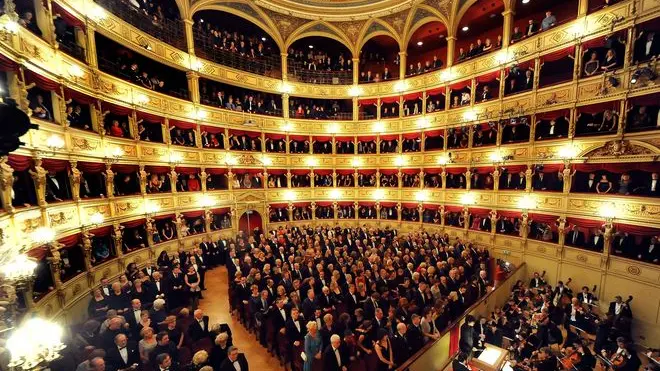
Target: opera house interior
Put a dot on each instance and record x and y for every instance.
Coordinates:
(342, 185)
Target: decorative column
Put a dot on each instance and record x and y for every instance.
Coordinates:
(399, 179)
(44, 19)
(312, 184)
(116, 236)
(285, 106)
(399, 207)
(537, 73)
(55, 262)
(334, 178)
(284, 57)
(442, 215)
(190, 38)
(289, 208)
(493, 222)
(6, 183)
(528, 178)
(577, 64)
(74, 179)
(173, 178)
(230, 180)
(288, 178)
(203, 176)
(568, 177)
(109, 180)
(208, 217)
(508, 25)
(630, 47)
(90, 49)
(443, 176)
(468, 179)
(87, 253)
(356, 70)
(451, 50)
(193, 86)
(466, 218)
(402, 65)
(496, 178)
(313, 206)
(561, 231)
(583, 8)
(39, 178)
(198, 137)
(143, 180)
(377, 178)
(524, 226)
(356, 209)
(356, 109)
(150, 227)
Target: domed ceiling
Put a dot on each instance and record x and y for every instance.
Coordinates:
(336, 8)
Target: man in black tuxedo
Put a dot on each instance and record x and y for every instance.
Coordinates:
(124, 355)
(309, 305)
(133, 317)
(400, 347)
(460, 362)
(415, 335)
(649, 250)
(235, 361)
(484, 224)
(164, 346)
(466, 342)
(164, 362)
(536, 281)
(574, 237)
(590, 184)
(335, 357)
(597, 241)
(585, 297)
(199, 328)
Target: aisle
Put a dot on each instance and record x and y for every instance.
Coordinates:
(216, 306)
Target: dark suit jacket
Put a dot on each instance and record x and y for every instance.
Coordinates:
(228, 365)
(114, 359)
(330, 359)
(400, 349)
(467, 338)
(292, 332)
(579, 240)
(196, 332)
(457, 366)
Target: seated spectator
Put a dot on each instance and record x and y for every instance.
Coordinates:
(27, 20)
(516, 34)
(610, 63)
(592, 66)
(211, 140)
(646, 46)
(39, 108)
(639, 118)
(554, 128)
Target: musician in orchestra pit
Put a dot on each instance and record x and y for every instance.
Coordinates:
(560, 289)
(619, 309)
(624, 358)
(466, 342)
(546, 361)
(585, 296)
(579, 357)
(537, 281)
(460, 362)
(480, 331)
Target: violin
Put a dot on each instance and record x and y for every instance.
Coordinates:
(572, 359)
(619, 360)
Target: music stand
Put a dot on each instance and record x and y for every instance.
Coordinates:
(491, 358)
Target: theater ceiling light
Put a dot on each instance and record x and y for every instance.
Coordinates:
(354, 91)
(422, 195)
(465, 28)
(527, 202)
(400, 86)
(504, 56)
(525, 1)
(290, 195)
(378, 127)
(446, 75)
(378, 194)
(206, 201)
(335, 194)
(468, 199)
(195, 64)
(43, 235)
(567, 152)
(263, 39)
(55, 142)
(117, 153)
(607, 210)
(420, 43)
(35, 342)
(577, 30)
(9, 25)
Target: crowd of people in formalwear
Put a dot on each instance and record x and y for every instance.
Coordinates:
(352, 298)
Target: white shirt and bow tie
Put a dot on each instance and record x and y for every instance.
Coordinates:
(337, 355)
(123, 353)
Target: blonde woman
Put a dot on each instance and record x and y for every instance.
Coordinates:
(147, 344)
(199, 360)
(313, 346)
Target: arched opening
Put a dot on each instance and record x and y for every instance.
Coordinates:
(480, 29)
(379, 59)
(427, 49)
(534, 16)
(236, 42)
(250, 222)
(320, 60)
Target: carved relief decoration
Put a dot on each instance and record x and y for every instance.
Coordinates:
(618, 148)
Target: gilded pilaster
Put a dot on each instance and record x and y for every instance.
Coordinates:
(75, 176)
(402, 64)
(507, 27)
(193, 86)
(90, 46)
(6, 183)
(190, 36)
(451, 51)
(39, 178)
(285, 65)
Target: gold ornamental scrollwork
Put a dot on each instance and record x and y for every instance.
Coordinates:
(634, 270)
(581, 258)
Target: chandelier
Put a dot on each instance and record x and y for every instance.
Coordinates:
(19, 270)
(35, 342)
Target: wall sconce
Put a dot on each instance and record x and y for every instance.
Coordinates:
(378, 194)
(206, 201)
(423, 123)
(200, 115)
(378, 127)
(333, 128)
(230, 160)
(43, 235)
(97, 13)
(356, 162)
(312, 161)
(54, 143)
(446, 75)
(422, 195)
(567, 152)
(607, 211)
(8, 25)
(195, 64)
(174, 158)
(96, 219)
(444, 159)
(266, 161)
(19, 269)
(400, 86)
(470, 115)
(335, 194)
(468, 199)
(496, 156)
(400, 161)
(577, 30)
(141, 99)
(151, 208)
(36, 341)
(354, 91)
(114, 154)
(75, 71)
(503, 57)
(286, 88)
(290, 195)
(527, 202)
(287, 127)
